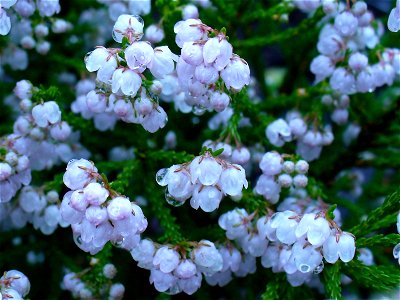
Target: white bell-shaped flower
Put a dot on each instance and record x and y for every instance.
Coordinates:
(179, 183)
(271, 163)
(236, 74)
(188, 31)
(155, 120)
(206, 169)
(206, 74)
(217, 52)
(207, 198)
(128, 26)
(119, 208)
(341, 246)
(232, 180)
(278, 132)
(166, 259)
(306, 258)
(315, 228)
(162, 63)
(5, 22)
(139, 55)
(46, 113)
(192, 53)
(207, 258)
(126, 81)
(285, 224)
(78, 174)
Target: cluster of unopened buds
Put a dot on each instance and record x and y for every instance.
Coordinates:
(97, 213)
(174, 269)
(340, 104)
(238, 155)
(25, 9)
(309, 140)
(15, 169)
(132, 7)
(40, 134)
(33, 206)
(290, 242)
(14, 285)
(120, 76)
(205, 180)
(81, 289)
(32, 21)
(277, 173)
(205, 66)
(352, 32)
(396, 249)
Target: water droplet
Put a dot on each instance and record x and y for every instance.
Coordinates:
(87, 57)
(139, 18)
(78, 239)
(70, 162)
(114, 36)
(396, 251)
(198, 110)
(304, 268)
(161, 177)
(319, 268)
(171, 200)
(118, 243)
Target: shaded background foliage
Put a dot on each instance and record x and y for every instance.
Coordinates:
(268, 45)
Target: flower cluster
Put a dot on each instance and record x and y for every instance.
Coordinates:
(120, 72)
(25, 9)
(309, 140)
(15, 169)
(40, 134)
(394, 18)
(290, 242)
(340, 104)
(14, 285)
(205, 180)
(236, 155)
(352, 32)
(396, 249)
(174, 271)
(234, 263)
(35, 207)
(328, 6)
(82, 289)
(98, 214)
(277, 173)
(132, 7)
(203, 62)
(32, 22)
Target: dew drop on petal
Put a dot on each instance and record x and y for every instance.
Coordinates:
(139, 18)
(171, 200)
(70, 162)
(87, 56)
(319, 268)
(198, 110)
(161, 177)
(118, 243)
(113, 35)
(304, 268)
(396, 251)
(78, 239)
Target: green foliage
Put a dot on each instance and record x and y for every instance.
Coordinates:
(332, 278)
(377, 277)
(379, 218)
(378, 240)
(256, 29)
